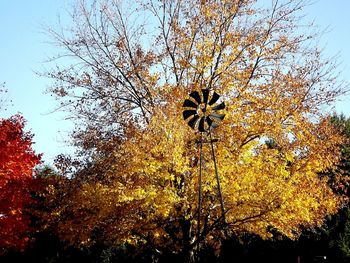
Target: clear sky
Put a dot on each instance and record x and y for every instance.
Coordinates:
(23, 48)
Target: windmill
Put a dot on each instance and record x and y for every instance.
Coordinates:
(203, 114)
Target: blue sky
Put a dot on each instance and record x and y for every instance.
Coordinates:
(24, 47)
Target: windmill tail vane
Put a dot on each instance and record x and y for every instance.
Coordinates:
(202, 113)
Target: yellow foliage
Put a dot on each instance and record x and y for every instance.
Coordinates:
(149, 193)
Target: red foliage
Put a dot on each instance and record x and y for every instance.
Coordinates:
(17, 160)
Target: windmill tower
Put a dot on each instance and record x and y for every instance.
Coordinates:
(203, 114)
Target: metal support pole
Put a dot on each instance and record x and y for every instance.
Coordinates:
(217, 178)
(199, 195)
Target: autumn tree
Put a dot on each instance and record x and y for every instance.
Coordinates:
(333, 237)
(135, 63)
(17, 160)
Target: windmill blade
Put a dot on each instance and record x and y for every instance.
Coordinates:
(221, 106)
(201, 124)
(188, 113)
(217, 116)
(209, 121)
(192, 122)
(214, 125)
(205, 93)
(196, 96)
(189, 103)
(214, 98)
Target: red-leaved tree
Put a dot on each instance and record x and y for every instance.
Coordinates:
(17, 160)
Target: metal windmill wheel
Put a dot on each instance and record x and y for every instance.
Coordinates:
(203, 114)
(203, 110)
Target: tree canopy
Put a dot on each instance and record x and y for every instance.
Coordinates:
(133, 66)
(17, 160)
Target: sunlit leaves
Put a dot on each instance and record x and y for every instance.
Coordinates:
(141, 183)
(17, 160)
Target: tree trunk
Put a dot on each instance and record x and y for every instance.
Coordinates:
(188, 250)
